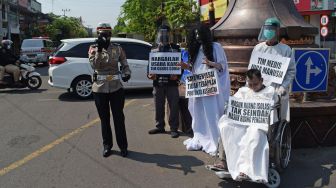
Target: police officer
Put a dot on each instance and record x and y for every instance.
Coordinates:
(165, 86)
(107, 88)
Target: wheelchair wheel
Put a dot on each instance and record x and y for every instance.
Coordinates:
(273, 178)
(283, 148)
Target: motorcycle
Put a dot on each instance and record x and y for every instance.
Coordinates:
(28, 78)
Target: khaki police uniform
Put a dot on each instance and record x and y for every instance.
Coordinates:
(105, 65)
(108, 91)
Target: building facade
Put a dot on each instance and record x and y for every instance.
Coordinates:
(219, 6)
(17, 19)
(321, 14)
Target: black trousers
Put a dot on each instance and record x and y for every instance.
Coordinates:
(161, 93)
(116, 101)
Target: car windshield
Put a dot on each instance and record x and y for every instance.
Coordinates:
(32, 43)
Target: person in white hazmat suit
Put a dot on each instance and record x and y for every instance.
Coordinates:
(247, 149)
(270, 35)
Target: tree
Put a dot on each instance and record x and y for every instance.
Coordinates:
(65, 27)
(142, 16)
(180, 13)
(139, 17)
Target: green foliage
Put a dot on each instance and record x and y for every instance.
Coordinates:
(142, 16)
(65, 27)
(180, 12)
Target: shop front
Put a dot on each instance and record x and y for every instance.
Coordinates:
(321, 14)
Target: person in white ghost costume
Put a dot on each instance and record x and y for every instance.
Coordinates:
(206, 111)
(270, 35)
(247, 149)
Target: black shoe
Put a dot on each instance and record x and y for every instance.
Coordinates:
(174, 134)
(107, 151)
(156, 131)
(124, 152)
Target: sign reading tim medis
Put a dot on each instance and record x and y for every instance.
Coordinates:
(272, 67)
(164, 63)
(203, 84)
(249, 111)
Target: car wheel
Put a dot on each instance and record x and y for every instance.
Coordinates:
(82, 87)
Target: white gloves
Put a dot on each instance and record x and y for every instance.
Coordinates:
(281, 91)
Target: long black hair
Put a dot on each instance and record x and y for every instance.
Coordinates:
(194, 45)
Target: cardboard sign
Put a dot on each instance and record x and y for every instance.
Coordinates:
(272, 67)
(203, 84)
(164, 63)
(249, 112)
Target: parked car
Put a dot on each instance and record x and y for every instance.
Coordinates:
(70, 68)
(36, 50)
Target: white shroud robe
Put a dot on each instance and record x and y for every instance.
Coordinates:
(206, 111)
(246, 147)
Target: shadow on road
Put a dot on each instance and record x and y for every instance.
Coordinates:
(311, 168)
(307, 168)
(229, 183)
(183, 163)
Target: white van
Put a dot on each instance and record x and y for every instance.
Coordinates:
(36, 50)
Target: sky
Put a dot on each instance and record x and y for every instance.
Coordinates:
(92, 11)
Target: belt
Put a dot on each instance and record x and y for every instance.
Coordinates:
(108, 77)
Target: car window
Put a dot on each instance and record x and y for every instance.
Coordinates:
(49, 44)
(136, 51)
(80, 51)
(32, 43)
(58, 48)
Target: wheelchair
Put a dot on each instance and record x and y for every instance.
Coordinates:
(279, 139)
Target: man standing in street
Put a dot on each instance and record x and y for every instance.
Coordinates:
(165, 87)
(107, 88)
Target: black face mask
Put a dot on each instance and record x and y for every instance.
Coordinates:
(106, 37)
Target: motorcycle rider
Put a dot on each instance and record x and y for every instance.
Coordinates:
(9, 62)
(107, 88)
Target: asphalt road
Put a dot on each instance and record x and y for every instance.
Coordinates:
(48, 138)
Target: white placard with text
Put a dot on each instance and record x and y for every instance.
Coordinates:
(164, 63)
(273, 68)
(203, 84)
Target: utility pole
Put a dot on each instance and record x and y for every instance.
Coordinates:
(52, 6)
(65, 10)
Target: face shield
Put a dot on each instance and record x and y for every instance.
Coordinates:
(269, 33)
(163, 37)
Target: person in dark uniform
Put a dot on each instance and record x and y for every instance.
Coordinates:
(107, 88)
(165, 87)
(9, 63)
